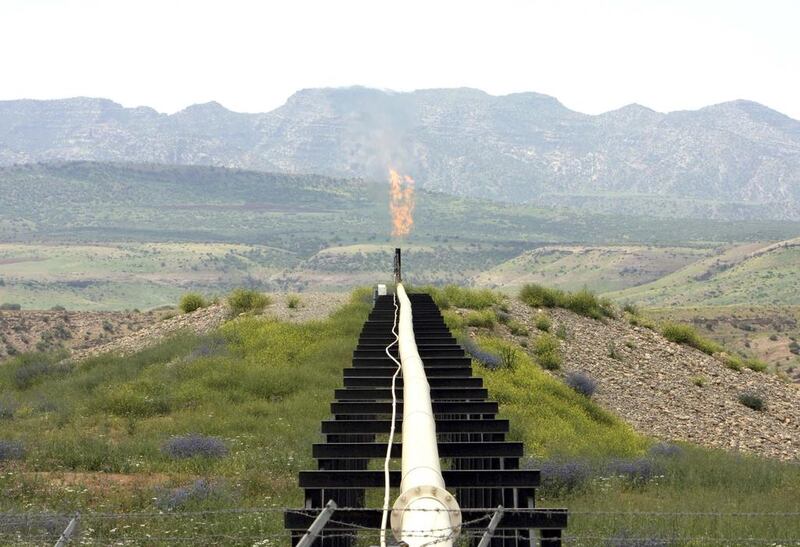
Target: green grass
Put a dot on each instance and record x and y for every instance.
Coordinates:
(681, 333)
(582, 302)
(547, 349)
(483, 319)
(247, 300)
(712, 484)
(453, 296)
(260, 385)
(191, 302)
(557, 424)
(752, 274)
(549, 417)
(543, 322)
(602, 268)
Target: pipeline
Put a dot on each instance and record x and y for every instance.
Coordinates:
(424, 513)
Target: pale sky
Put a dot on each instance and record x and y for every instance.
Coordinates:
(592, 55)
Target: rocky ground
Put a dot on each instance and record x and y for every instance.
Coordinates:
(85, 334)
(25, 331)
(651, 383)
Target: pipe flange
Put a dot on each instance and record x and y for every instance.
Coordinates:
(418, 492)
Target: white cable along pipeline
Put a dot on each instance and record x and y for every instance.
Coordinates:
(387, 487)
(422, 485)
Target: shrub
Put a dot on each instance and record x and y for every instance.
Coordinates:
(755, 364)
(733, 362)
(483, 319)
(583, 302)
(630, 308)
(246, 300)
(752, 400)
(134, 399)
(563, 477)
(516, 328)
(189, 446)
(543, 323)
(488, 359)
(681, 333)
(508, 357)
(11, 450)
(461, 297)
(537, 296)
(293, 301)
(699, 381)
(199, 491)
(547, 350)
(475, 299)
(192, 301)
(561, 332)
(30, 368)
(10, 307)
(581, 383)
(612, 351)
(58, 308)
(630, 344)
(503, 316)
(665, 450)
(638, 471)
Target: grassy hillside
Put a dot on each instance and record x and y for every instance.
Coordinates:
(765, 274)
(129, 275)
(103, 235)
(99, 436)
(600, 268)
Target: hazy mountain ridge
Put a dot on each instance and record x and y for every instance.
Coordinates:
(733, 160)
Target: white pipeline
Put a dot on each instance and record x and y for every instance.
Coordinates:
(425, 513)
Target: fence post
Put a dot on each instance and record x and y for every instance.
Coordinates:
(68, 531)
(318, 524)
(487, 535)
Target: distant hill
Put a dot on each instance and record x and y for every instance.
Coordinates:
(753, 274)
(599, 268)
(736, 160)
(92, 235)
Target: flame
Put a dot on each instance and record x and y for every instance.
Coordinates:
(401, 203)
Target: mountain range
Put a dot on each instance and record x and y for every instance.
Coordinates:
(736, 160)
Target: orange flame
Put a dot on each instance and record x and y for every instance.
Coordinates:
(401, 203)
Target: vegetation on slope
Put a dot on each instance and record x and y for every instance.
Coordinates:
(622, 488)
(102, 426)
(753, 275)
(767, 334)
(119, 434)
(599, 268)
(582, 302)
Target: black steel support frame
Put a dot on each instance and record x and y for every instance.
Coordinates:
(480, 467)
